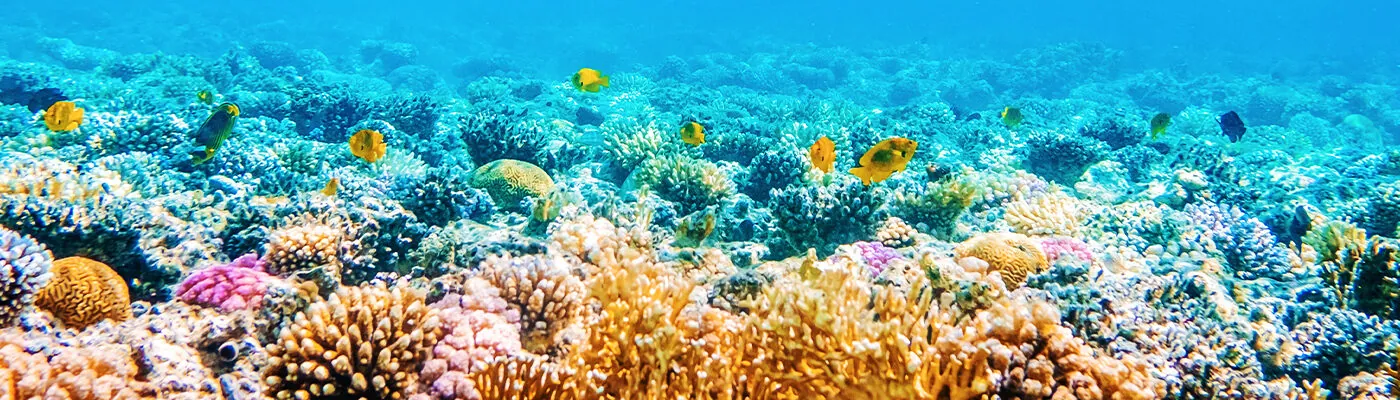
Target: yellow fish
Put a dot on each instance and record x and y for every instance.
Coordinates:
(332, 187)
(205, 97)
(884, 159)
(213, 132)
(589, 80)
(692, 133)
(1011, 116)
(63, 116)
(823, 154)
(1160, 122)
(368, 145)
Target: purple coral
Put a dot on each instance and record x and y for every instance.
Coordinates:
(478, 327)
(233, 286)
(876, 256)
(1055, 248)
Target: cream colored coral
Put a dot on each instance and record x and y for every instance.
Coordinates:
(56, 179)
(546, 292)
(1050, 214)
(302, 247)
(61, 372)
(895, 233)
(366, 342)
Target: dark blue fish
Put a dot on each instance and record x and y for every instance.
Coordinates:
(1232, 126)
(213, 132)
(42, 99)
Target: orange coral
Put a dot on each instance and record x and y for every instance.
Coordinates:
(95, 372)
(84, 292)
(63, 116)
(1012, 254)
(368, 144)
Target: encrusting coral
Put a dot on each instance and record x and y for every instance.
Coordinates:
(365, 342)
(83, 292)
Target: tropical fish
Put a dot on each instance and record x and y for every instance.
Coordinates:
(884, 159)
(692, 133)
(44, 98)
(332, 187)
(368, 145)
(589, 80)
(1011, 116)
(213, 132)
(1160, 122)
(205, 97)
(823, 154)
(63, 116)
(1232, 126)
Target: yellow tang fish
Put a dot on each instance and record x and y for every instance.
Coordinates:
(213, 132)
(823, 154)
(1011, 116)
(589, 80)
(692, 133)
(884, 159)
(368, 145)
(1160, 122)
(332, 187)
(63, 116)
(205, 97)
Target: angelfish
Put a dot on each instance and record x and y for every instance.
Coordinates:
(212, 133)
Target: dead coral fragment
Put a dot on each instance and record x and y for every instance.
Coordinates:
(362, 342)
(1012, 254)
(83, 292)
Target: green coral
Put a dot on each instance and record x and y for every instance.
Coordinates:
(691, 183)
(936, 207)
(629, 142)
(511, 181)
(1331, 238)
(1366, 278)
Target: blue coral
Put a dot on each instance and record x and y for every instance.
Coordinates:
(1342, 343)
(24, 269)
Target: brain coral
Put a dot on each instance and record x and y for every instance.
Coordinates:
(1012, 254)
(84, 292)
(362, 342)
(510, 181)
(24, 269)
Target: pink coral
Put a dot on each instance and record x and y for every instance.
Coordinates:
(478, 326)
(233, 286)
(1055, 248)
(874, 255)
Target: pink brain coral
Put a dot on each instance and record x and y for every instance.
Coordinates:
(231, 287)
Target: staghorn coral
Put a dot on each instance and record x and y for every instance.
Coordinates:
(478, 326)
(84, 292)
(24, 270)
(1050, 214)
(231, 287)
(1013, 255)
(365, 342)
(545, 292)
(511, 181)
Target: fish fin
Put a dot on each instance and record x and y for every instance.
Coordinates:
(199, 156)
(603, 80)
(881, 176)
(863, 173)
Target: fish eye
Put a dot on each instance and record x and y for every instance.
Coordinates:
(228, 352)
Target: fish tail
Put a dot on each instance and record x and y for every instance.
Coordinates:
(863, 173)
(603, 80)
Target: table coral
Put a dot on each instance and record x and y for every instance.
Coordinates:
(231, 287)
(24, 270)
(84, 292)
(367, 342)
(1013, 255)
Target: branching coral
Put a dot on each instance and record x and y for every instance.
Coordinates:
(498, 134)
(24, 270)
(629, 142)
(1061, 157)
(84, 292)
(365, 342)
(302, 248)
(692, 184)
(935, 207)
(546, 293)
(823, 217)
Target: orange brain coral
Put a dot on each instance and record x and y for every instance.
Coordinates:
(1013, 254)
(368, 144)
(63, 116)
(83, 292)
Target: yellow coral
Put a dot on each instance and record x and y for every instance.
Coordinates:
(83, 292)
(510, 181)
(1051, 214)
(1331, 238)
(362, 342)
(1012, 254)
